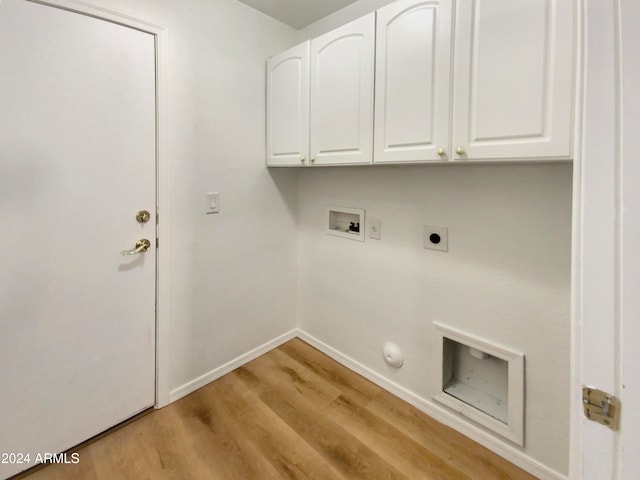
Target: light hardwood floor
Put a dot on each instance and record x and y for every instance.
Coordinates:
(293, 413)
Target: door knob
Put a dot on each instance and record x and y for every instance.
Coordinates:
(142, 245)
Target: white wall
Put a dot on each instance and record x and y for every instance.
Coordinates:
(506, 276)
(232, 274)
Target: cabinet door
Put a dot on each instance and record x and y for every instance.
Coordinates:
(288, 107)
(513, 79)
(342, 94)
(413, 76)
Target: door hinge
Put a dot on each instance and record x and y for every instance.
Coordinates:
(157, 242)
(601, 407)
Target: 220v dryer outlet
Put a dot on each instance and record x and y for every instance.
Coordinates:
(436, 238)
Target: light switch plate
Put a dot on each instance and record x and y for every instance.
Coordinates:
(213, 202)
(436, 238)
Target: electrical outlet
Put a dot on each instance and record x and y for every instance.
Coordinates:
(375, 226)
(436, 238)
(213, 202)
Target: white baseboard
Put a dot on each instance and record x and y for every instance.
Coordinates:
(515, 456)
(216, 373)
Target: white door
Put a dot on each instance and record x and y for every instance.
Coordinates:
(513, 79)
(288, 107)
(413, 73)
(342, 63)
(77, 161)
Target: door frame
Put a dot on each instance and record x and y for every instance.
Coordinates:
(162, 310)
(628, 461)
(606, 267)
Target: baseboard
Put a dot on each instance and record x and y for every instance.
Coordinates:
(218, 372)
(511, 454)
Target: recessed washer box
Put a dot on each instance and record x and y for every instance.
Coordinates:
(480, 380)
(346, 222)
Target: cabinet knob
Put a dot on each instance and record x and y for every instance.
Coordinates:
(301, 159)
(459, 150)
(313, 159)
(441, 152)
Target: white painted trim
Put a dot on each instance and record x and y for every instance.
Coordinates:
(596, 315)
(163, 282)
(575, 388)
(628, 462)
(512, 454)
(162, 178)
(103, 14)
(237, 362)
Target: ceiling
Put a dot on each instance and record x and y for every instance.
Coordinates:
(298, 13)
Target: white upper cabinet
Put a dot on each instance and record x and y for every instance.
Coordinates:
(342, 63)
(288, 107)
(513, 81)
(413, 81)
(495, 83)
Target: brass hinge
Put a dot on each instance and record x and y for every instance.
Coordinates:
(601, 407)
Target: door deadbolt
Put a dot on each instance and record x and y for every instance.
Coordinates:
(143, 216)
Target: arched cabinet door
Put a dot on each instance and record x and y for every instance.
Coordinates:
(413, 81)
(288, 107)
(342, 94)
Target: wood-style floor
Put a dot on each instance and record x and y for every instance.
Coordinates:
(293, 413)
